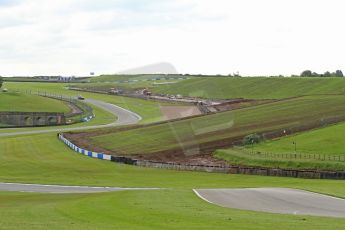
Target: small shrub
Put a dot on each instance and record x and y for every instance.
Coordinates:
(252, 139)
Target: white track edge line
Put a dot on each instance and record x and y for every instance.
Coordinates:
(201, 197)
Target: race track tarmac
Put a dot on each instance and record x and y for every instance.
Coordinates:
(275, 200)
(124, 117)
(15, 187)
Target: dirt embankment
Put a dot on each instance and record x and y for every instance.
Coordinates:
(74, 110)
(199, 154)
(239, 103)
(175, 112)
(204, 151)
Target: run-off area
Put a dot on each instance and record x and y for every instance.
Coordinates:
(275, 200)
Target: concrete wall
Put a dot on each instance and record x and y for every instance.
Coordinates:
(29, 119)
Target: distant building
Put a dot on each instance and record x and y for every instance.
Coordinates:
(66, 79)
(56, 78)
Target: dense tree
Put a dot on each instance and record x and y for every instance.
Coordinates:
(327, 74)
(309, 73)
(314, 74)
(339, 73)
(0, 81)
(306, 73)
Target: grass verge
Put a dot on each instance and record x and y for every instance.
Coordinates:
(44, 159)
(166, 209)
(328, 141)
(237, 156)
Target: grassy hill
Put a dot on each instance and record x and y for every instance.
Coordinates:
(149, 110)
(125, 77)
(329, 140)
(124, 85)
(224, 127)
(253, 87)
(323, 146)
(43, 159)
(30, 103)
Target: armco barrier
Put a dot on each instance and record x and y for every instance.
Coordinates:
(84, 151)
(233, 169)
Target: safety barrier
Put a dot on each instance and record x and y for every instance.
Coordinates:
(232, 169)
(85, 152)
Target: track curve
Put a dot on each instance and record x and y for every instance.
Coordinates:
(124, 117)
(275, 200)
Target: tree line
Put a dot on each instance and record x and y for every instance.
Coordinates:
(309, 73)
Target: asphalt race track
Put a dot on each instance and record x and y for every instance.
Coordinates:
(275, 200)
(124, 116)
(14, 187)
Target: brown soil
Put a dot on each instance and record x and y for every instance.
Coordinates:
(203, 153)
(178, 157)
(201, 156)
(175, 112)
(240, 103)
(205, 150)
(73, 109)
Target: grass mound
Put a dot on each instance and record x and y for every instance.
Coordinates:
(221, 128)
(14, 102)
(253, 87)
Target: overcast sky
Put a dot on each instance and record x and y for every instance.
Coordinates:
(254, 37)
